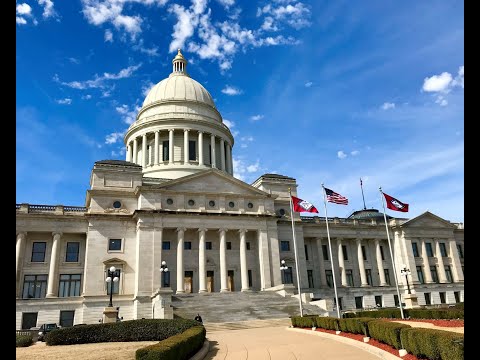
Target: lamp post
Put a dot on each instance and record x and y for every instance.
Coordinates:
(111, 278)
(405, 272)
(163, 270)
(283, 267)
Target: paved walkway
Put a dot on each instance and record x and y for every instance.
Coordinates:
(279, 343)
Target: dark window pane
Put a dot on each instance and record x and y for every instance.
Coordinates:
(285, 246)
(415, 249)
(187, 245)
(34, 286)
(208, 245)
(72, 251)
(381, 252)
(166, 245)
(443, 250)
(66, 318)
(165, 147)
(69, 285)
(192, 150)
(429, 249)
(115, 244)
(364, 253)
(344, 252)
(325, 252)
(38, 251)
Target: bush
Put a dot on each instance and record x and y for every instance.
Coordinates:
(133, 330)
(24, 340)
(387, 332)
(178, 347)
(433, 344)
(384, 313)
(329, 323)
(304, 322)
(410, 313)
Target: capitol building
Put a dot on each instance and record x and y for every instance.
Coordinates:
(174, 203)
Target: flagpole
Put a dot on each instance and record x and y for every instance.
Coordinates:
(391, 253)
(361, 186)
(296, 257)
(330, 249)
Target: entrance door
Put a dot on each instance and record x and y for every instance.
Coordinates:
(188, 281)
(210, 283)
(29, 320)
(230, 281)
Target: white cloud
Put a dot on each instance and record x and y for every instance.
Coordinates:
(256, 117)
(48, 10)
(184, 28)
(146, 87)
(459, 80)
(253, 167)
(246, 138)
(24, 9)
(441, 101)
(99, 81)
(153, 51)
(74, 60)
(295, 14)
(230, 90)
(108, 37)
(21, 21)
(65, 101)
(388, 105)
(242, 169)
(268, 24)
(437, 82)
(114, 137)
(230, 124)
(128, 116)
(308, 84)
(227, 3)
(354, 152)
(341, 154)
(87, 97)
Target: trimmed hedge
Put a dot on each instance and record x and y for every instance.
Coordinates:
(387, 332)
(329, 323)
(355, 325)
(433, 344)
(24, 340)
(410, 313)
(132, 330)
(304, 322)
(178, 347)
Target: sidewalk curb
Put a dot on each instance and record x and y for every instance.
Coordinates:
(202, 352)
(364, 346)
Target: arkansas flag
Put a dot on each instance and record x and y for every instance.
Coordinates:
(300, 205)
(394, 204)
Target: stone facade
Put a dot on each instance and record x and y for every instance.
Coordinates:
(214, 232)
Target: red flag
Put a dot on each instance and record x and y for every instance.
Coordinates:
(300, 205)
(394, 204)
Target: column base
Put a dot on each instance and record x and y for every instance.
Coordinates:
(50, 296)
(246, 290)
(180, 292)
(224, 290)
(201, 291)
(384, 284)
(364, 285)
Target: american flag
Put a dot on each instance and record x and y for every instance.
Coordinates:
(335, 198)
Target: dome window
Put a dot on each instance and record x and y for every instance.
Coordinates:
(211, 203)
(250, 205)
(231, 204)
(117, 204)
(169, 201)
(191, 202)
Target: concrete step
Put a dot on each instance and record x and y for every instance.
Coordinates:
(251, 324)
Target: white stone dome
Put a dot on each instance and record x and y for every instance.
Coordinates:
(178, 86)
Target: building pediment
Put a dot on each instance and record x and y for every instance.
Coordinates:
(428, 220)
(212, 181)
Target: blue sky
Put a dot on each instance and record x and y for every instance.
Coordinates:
(322, 91)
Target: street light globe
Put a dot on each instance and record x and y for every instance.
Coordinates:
(164, 262)
(283, 262)
(166, 269)
(112, 269)
(108, 279)
(115, 279)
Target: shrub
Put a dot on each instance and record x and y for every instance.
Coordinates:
(133, 330)
(178, 347)
(410, 313)
(329, 323)
(433, 344)
(24, 340)
(303, 322)
(387, 332)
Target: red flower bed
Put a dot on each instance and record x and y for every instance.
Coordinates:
(442, 323)
(372, 342)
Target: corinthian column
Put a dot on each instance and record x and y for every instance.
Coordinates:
(201, 261)
(20, 250)
(442, 277)
(341, 263)
(200, 148)
(186, 149)
(135, 151)
(170, 146)
(361, 263)
(212, 149)
(321, 263)
(144, 150)
(180, 270)
(426, 265)
(53, 273)
(229, 159)
(243, 260)
(223, 261)
(222, 154)
(381, 271)
(156, 151)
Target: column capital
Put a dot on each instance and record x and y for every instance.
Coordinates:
(222, 230)
(157, 131)
(200, 131)
(359, 240)
(186, 130)
(171, 129)
(202, 229)
(21, 235)
(181, 229)
(242, 231)
(57, 234)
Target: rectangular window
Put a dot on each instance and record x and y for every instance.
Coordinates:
(165, 245)
(208, 245)
(433, 270)
(288, 276)
(115, 245)
(250, 279)
(325, 252)
(395, 300)
(457, 296)
(387, 276)
(381, 252)
(364, 253)
(443, 250)
(358, 302)
(38, 251)
(443, 298)
(192, 150)
(344, 252)
(166, 279)
(69, 285)
(306, 252)
(421, 279)
(310, 279)
(329, 276)
(66, 318)
(116, 284)
(284, 245)
(165, 150)
(460, 251)
(248, 245)
(187, 245)
(368, 272)
(429, 249)
(29, 320)
(428, 300)
(229, 245)
(415, 249)
(448, 273)
(72, 252)
(34, 286)
(349, 274)
(378, 300)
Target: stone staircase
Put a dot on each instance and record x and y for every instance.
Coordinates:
(250, 324)
(234, 307)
